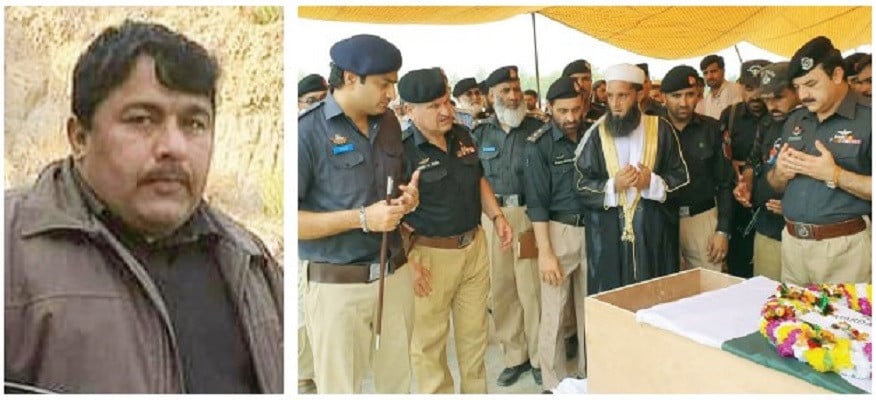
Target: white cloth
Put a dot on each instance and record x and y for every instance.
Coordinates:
(712, 318)
(625, 72)
(571, 386)
(629, 151)
(716, 101)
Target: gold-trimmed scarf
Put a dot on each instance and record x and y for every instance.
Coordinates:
(612, 164)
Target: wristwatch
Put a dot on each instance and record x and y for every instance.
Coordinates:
(831, 183)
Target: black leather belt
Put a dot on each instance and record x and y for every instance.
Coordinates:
(323, 272)
(510, 200)
(568, 218)
(690, 211)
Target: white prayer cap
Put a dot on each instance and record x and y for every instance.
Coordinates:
(625, 72)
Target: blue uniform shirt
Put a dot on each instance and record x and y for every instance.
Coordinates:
(339, 168)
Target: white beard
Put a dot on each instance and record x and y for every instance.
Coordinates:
(508, 116)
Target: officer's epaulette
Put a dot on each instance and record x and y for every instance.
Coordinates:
(310, 109)
(538, 133)
(541, 117)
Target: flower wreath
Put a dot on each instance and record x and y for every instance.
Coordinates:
(787, 321)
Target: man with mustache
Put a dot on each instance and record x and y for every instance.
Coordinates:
(863, 82)
(470, 101)
(514, 283)
(706, 204)
(448, 255)
(627, 164)
(722, 93)
(824, 171)
(741, 123)
(119, 276)
(347, 147)
(580, 72)
(558, 221)
(752, 189)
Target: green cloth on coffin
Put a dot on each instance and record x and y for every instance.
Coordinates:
(756, 348)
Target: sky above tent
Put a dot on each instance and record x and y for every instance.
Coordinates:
(475, 50)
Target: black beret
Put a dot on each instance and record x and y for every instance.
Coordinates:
(749, 72)
(311, 83)
(463, 86)
(563, 88)
(811, 54)
(422, 85)
(482, 85)
(773, 79)
(577, 67)
(678, 78)
(502, 75)
(366, 55)
(644, 67)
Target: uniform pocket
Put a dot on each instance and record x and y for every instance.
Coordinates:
(348, 173)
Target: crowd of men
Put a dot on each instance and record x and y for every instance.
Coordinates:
(498, 209)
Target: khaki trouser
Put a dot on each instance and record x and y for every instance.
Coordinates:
(514, 292)
(340, 322)
(844, 259)
(694, 235)
(305, 355)
(767, 257)
(460, 282)
(568, 244)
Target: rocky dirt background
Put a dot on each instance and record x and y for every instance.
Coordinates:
(246, 179)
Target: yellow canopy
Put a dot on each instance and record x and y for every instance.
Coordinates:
(661, 32)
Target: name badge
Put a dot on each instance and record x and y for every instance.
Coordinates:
(428, 165)
(344, 148)
(490, 149)
(566, 161)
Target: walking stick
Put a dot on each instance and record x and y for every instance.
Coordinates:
(383, 245)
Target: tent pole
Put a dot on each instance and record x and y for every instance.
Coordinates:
(537, 76)
(738, 54)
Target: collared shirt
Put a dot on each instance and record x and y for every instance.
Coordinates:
(340, 168)
(764, 156)
(450, 189)
(185, 271)
(464, 118)
(744, 131)
(715, 101)
(711, 175)
(550, 175)
(501, 153)
(847, 135)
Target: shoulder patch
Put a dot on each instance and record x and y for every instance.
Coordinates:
(310, 109)
(538, 133)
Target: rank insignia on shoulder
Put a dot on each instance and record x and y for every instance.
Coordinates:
(538, 133)
(339, 140)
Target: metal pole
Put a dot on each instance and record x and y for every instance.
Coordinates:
(738, 54)
(537, 75)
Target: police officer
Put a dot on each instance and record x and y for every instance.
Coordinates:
(647, 104)
(705, 205)
(514, 289)
(449, 255)
(470, 101)
(740, 123)
(580, 71)
(824, 169)
(753, 190)
(347, 147)
(311, 90)
(558, 221)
